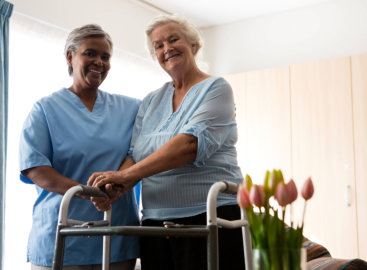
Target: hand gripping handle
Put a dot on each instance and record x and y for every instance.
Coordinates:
(70, 193)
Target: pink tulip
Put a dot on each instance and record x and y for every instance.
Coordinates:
(243, 198)
(281, 194)
(257, 196)
(307, 189)
(292, 191)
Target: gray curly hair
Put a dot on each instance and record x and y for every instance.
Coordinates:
(76, 37)
(190, 31)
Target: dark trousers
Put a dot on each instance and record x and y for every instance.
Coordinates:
(182, 253)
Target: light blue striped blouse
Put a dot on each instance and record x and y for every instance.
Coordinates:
(207, 112)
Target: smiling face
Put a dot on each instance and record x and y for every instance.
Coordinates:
(90, 63)
(172, 49)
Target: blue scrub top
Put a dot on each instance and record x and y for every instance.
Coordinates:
(62, 133)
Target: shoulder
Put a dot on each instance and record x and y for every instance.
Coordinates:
(49, 101)
(158, 94)
(219, 88)
(118, 99)
(213, 88)
(37, 116)
(160, 91)
(53, 96)
(219, 82)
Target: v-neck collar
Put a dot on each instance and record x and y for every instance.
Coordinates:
(77, 101)
(188, 93)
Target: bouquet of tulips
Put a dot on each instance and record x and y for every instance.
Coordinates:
(269, 232)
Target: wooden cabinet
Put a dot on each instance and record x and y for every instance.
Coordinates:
(262, 102)
(359, 90)
(322, 147)
(311, 120)
(237, 81)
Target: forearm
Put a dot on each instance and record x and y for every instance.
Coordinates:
(128, 162)
(49, 179)
(178, 151)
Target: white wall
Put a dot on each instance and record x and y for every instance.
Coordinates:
(124, 20)
(333, 29)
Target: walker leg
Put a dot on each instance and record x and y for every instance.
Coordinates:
(212, 248)
(247, 245)
(59, 250)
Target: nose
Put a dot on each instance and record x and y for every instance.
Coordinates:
(98, 61)
(167, 48)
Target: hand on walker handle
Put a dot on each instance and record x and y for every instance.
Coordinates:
(113, 191)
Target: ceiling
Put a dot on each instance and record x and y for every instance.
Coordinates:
(205, 13)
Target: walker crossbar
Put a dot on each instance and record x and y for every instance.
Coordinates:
(210, 231)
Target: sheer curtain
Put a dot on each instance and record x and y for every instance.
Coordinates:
(38, 68)
(5, 13)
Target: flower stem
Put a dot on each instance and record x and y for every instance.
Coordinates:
(304, 213)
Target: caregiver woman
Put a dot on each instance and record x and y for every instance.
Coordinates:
(67, 136)
(183, 141)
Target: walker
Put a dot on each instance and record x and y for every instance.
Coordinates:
(68, 227)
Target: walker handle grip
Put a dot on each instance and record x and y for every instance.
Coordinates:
(231, 188)
(91, 191)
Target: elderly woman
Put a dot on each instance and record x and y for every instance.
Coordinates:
(66, 137)
(183, 142)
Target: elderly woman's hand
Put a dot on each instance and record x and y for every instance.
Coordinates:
(101, 179)
(112, 182)
(103, 204)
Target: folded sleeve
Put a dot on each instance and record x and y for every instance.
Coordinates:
(35, 148)
(212, 121)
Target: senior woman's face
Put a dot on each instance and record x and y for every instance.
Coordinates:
(171, 47)
(90, 62)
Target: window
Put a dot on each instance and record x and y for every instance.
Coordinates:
(38, 68)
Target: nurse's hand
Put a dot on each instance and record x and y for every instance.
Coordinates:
(102, 204)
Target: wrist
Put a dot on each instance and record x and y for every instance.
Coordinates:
(128, 175)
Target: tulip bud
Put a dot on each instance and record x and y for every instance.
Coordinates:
(257, 196)
(272, 179)
(307, 189)
(247, 182)
(281, 194)
(243, 198)
(292, 191)
(269, 177)
(279, 175)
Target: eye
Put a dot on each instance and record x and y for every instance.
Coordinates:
(106, 57)
(89, 53)
(158, 46)
(173, 39)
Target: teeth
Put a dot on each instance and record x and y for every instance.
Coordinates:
(96, 71)
(171, 57)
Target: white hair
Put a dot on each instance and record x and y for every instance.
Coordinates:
(190, 31)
